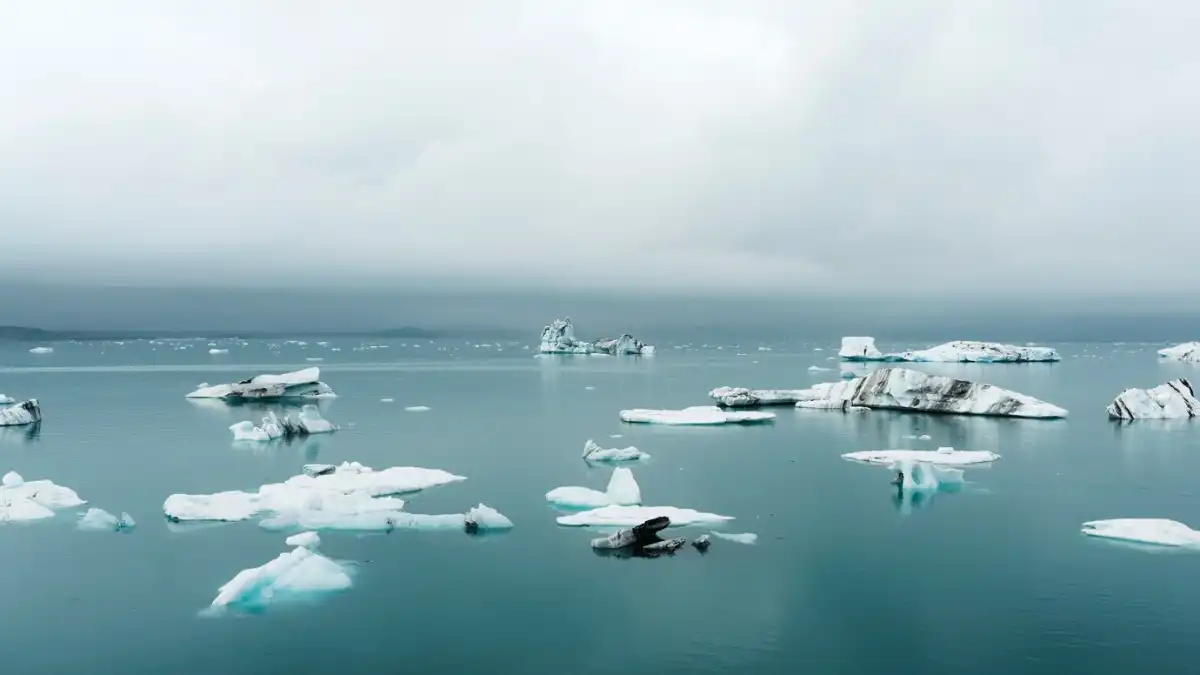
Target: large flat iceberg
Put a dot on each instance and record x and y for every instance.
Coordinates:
(959, 351)
(1154, 531)
(1188, 351)
(911, 390)
(26, 412)
(1173, 400)
(629, 516)
(941, 456)
(307, 422)
(622, 490)
(559, 338)
(703, 415)
(22, 500)
(299, 384)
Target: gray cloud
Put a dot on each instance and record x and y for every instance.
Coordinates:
(926, 147)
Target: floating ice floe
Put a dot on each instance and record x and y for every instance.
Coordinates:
(99, 520)
(592, 452)
(307, 422)
(559, 338)
(418, 408)
(926, 477)
(744, 538)
(4, 400)
(941, 456)
(42, 350)
(1154, 531)
(629, 516)
(1173, 400)
(26, 412)
(741, 397)
(387, 400)
(215, 351)
(299, 384)
(298, 574)
(959, 351)
(22, 500)
(703, 415)
(484, 517)
(1188, 352)
(622, 490)
(305, 539)
(818, 369)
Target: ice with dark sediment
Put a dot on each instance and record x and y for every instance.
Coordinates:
(1172, 400)
(301, 384)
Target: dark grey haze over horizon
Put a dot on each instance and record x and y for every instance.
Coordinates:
(823, 149)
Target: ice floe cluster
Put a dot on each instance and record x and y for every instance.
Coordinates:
(301, 384)
(959, 351)
(559, 338)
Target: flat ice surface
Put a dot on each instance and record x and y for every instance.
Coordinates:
(99, 520)
(622, 490)
(701, 415)
(741, 397)
(42, 350)
(26, 412)
(745, 538)
(859, 349)
(906, 389)
(958, 351)
(594, 453)
(1156, 531)
(926, 477)
(305, 539)
(1173, 400)
(299, 572)
(629, 516)
(485, 517)
(1188, 351)
(22, 500)
(941, 456)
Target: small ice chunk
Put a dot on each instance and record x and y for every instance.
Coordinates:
(702, 542)
(704, 415)
(314, 358)
(418, 408)
(622, 490)
(215, 351)
(744, 538)
(22, 500)
(924, 437)
(4, 400)
(484, 517)
(317, 469)
(817, 369)
(306, 539)
(629, 516)
(859, 349)
(387, 400)
(26, 412)
(99, 520)
(926, 477)
(941, 456)
(299, 572)
(1156, 531)
(42, 350)
(12, 479)
(592, 452)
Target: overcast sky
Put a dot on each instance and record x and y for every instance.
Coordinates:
(825, 146)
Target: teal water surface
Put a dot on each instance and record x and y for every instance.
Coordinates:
(844, 578)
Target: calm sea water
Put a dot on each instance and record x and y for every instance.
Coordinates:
(993, 579)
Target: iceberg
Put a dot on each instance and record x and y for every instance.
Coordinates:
(622, 490)
(309, 421)
(941, 457)
(305, 539)
(741, 397)
(1155, 531)
(99, 520)
(299, 384)
(5, 400)
(42, 350)
(301, 572)
(559, 338)
(26, 412)
(592, 452)
(911, 390)
(629, 516)
(1173, 400)
(22, 500)
(484, 517)
(703, 415)
(925, 477)
(1188, 352)
(745, 538)
(959, 351)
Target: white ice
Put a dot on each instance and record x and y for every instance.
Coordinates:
(592, 452)
(1173, 400)
(42, 350)
(22, 500)
(387, 400)
(99, 520)
(418, 408)
(622, 490)
(741, 397)
(941, 456)
(1188, 351)
(1156, 531)
(703, 415)
(305, 539)
(485, 517)
(26, 412)
(628, 516)
(298, 573)
(307, 422)
(859, 349)
(299, 384)
(218, 351)
(559, 338)
(6, 399)
(745, 538)
(926, 477)
(959, 351)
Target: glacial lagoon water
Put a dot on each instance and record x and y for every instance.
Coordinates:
(844, 578)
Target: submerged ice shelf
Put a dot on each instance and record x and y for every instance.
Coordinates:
(299, 384)
(958, 351)
(941, 456)
(1172, 400)
(705, 415)
(622, 490)
(307, 422)
(559, 338)
(1153, 531)
(26, 412)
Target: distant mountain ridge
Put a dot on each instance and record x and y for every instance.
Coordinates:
(29, 334)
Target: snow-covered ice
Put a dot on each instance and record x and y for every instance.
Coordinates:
(911, 390)
(26, 412)
(941, 456)
(859, 349)
(622, 490)
(559, 338)
(703, 415)
(629, 516)
(22, 500)
(1155, 531)
(307, 422)
(592, 452)
(299, 384)
(305, 539)
(42, 350)
(99, 520)
(744, 538)
(300, 572)
(1188, 351)
(1173, 400)
(958, 351)
(484, 517)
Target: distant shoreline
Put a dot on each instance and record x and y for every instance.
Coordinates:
(28, 334)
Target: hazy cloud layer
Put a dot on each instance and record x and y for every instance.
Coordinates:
(833, 145)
